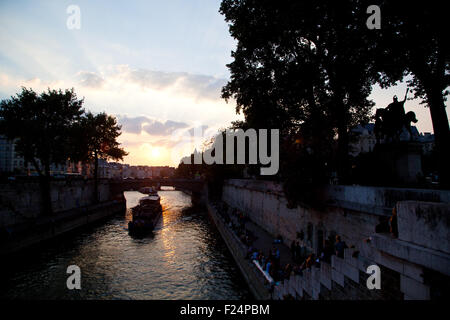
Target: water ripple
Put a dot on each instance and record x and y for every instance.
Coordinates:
(183, 259)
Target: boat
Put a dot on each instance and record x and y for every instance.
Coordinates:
(148, 190)
(145, 215)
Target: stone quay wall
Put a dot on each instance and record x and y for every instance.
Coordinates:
(21, 201)
(416, 265)
(46, 229)
(253, 277)
(23, 224)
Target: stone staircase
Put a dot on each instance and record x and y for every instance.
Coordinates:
(309, 284)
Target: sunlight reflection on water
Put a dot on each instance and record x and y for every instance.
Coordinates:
(183, 259)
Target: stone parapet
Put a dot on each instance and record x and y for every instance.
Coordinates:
(422, 246)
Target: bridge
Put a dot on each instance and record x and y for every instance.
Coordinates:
(195, 187)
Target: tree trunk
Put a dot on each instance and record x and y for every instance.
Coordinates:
(441, 133)
(342, 121)
(343, 148)
(96, 177)
(342, 115)
(44, 180)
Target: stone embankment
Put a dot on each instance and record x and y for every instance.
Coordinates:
(23, 224)
(413, 265)
(252, 275)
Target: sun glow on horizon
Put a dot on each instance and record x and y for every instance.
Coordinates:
(155, 152)
(148, 154)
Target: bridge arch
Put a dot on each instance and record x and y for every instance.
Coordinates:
(196, 188)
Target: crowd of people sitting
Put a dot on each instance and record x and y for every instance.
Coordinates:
(301, 260)
(304, 260)
(270, 262)
(237, 225)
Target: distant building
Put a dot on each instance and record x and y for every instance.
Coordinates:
(11, 162)
(427, 141)
(363, 139)
(144, 172)
(109, 170)
(156, 171)
(6, 155)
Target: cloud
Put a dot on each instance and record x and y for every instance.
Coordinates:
(180, 83)
(90, 79)
(151, 79)
(151, 126)
(196, 86)
(198, 130)
(164, 117)
(203, 86)
(163, 129)
(131, 143)
(167, 143)
(132, 125)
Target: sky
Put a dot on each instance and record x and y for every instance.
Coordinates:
(158, 66)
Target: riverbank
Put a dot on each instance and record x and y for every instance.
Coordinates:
(22, 236)
(252, 275)
(183, 259)
(414, 263)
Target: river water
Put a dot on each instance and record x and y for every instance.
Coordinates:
(185, 258)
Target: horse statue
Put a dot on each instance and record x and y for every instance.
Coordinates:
(390, 122)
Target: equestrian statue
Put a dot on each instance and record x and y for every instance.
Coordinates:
(390, 122)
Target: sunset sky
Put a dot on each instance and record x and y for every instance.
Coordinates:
(158, 66)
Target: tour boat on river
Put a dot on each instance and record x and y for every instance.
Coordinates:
(148, 190)
(145, 215)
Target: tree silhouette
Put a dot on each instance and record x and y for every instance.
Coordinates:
(413, 41)
(97, 139)
(308, 67)
(302, 63)
(42, 127)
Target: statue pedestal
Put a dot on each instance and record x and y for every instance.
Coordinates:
(400, 162)
(408, 162)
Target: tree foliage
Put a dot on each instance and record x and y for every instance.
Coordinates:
(42, 126)
(308, 68)
(413, 43)
(304, 67)
(97, 139)
(52, 128)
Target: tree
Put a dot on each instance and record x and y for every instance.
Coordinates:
(302, 62)
(413, 42)
(98, 140)
(42, 127)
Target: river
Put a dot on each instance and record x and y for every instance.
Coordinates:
(185, 258)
